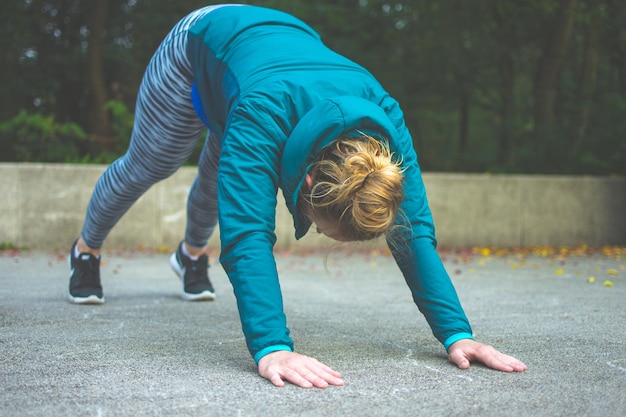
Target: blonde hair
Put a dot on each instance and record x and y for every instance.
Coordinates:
(357, 187)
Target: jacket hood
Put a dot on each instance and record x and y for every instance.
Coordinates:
(325, 122)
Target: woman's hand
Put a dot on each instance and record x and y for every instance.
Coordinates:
(298, 369)
(465, 351)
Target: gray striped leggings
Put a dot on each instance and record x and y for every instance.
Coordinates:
(165, 133)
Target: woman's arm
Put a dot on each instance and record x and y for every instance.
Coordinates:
(414, 248)
(247, 186)
(248, 181)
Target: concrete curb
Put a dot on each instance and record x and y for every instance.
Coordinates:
(43, 207)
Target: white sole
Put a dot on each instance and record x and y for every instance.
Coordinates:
(92, 299)
(203, 296)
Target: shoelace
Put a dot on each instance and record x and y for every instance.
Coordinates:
(91, 275)
(198, 269)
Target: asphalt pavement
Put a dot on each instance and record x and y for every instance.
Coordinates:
(148, 353)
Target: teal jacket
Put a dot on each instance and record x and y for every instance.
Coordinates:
(275, 96)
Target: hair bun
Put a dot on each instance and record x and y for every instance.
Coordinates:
(358, 186)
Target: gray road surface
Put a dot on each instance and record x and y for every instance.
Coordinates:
(148, 353)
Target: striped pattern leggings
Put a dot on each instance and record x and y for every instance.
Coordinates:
(165, 133)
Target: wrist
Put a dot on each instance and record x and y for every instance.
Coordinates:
(455, 338)
(266, 351)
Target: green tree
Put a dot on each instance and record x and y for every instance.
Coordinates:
(496, 85)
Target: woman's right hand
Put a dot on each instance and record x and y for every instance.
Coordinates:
(300, 370)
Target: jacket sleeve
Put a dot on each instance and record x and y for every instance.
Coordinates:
(413, 245)
(248, 178)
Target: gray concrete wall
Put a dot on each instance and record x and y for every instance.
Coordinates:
(43, 205)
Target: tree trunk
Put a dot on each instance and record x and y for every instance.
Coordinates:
(549, 68)
(507, 86)
(588, 77)
(463, 129)
(100, 120)
(507, 74)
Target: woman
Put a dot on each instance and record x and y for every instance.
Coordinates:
(283, 111)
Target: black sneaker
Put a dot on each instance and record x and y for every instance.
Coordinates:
(85, 285)
(194, 274)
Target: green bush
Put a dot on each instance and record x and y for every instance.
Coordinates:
(39, 138)
(121, 124)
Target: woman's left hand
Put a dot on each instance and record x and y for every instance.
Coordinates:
(463, 352)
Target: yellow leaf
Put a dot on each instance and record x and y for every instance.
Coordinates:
(163, 249)
(608, 283)
(559, 271)
(591, 279)
(611, 271)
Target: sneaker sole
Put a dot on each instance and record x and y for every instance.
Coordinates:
(203, 296)
(92, 299)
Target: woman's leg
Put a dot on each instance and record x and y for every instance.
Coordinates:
(202, 201)
(165, 133)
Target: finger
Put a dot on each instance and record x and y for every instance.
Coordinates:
(321, 377)
(519, 366)
(460, 361)
(317, 381)
(315, 373)
(318, 377)
(331, 372)
(325, 372)
(510, 364)
(277, 380)
(496, 360)
(458, 358)
(297, 378)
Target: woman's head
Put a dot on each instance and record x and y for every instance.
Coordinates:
(354, 189)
